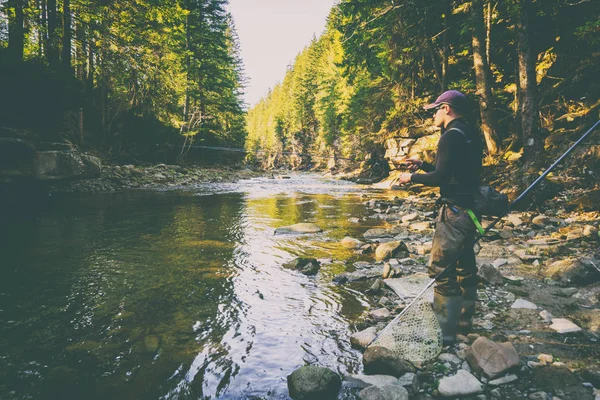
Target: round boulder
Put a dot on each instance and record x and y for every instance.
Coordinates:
(312, 382)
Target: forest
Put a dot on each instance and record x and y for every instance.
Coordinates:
(121, 77)
(530, 68)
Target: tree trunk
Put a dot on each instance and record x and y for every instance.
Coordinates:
(488, 31)
(16, 30)
(483, 79)
(53, 39)
(66, 39)
(528, 107)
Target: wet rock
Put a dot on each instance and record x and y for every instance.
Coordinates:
(380, 314)
(562, 325)
(461, 384)
(376, 233)
(379, 360)
(305, 227)
(366, 249)
(491, 358)
(546, 316)
(306, 266)
(351, 243)
(364, 381)
(387, 392)
(376, 287)
(504, 380)
(523, 304)
(391, 249)
(410, 382)
(312, 382)
(362, 339)
(490, 275)
(572, 271)
(538, 396)
(60, 165)
(357, 276)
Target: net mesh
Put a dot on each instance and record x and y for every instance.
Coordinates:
(415, 336)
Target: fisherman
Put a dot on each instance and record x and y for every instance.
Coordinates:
(456, 173)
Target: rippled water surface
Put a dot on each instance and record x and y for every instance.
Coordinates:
(175, 294)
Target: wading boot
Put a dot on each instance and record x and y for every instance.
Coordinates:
(447, 310)
(469, 297)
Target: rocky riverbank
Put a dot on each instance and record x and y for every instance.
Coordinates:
(119, 177)
(537, 323)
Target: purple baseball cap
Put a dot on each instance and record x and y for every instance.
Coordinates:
(454, 98)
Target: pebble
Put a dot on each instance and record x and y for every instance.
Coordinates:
(461, 384)
(545, 359)
(504, 380)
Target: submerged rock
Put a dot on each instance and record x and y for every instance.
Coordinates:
(304, 227)
(364, 381)
(312, 382)
(379, 360)
(306, 266)
(387, 392)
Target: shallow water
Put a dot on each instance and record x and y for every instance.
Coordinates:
(175, 294)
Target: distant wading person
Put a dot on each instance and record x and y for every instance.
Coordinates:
(456, 172)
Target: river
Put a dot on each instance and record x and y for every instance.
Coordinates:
(176, 294)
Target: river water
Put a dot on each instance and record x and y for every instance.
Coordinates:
(176, 294)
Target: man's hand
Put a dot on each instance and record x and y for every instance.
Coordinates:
(403, 178)
(412, 163)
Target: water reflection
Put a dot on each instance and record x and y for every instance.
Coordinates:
(175, 295)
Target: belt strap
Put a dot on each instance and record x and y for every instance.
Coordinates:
(475, 221)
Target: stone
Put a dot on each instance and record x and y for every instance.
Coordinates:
(590, 231)
(376, 233)
(491, 358)
(538, 396)
(354, 220)
(451, 358)
(571, 271)
(381, 314)
(515, 220)
(410, 381)
(362, 339)
(387, 392)
(504, 380)
(306, 266)
(420, 226)
(461, 384)
(545, 359)
(61, 165)
(379, 360)
(523, 304)
(546, 316)
(490, 275)
(499, 262)
(351, 243)
(562, 325)
(364, 381)
(312, 382)
(410, 217)
(305, 227)
(390, 249)
(540, 221)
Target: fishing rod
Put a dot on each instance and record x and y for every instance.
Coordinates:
(481, 235)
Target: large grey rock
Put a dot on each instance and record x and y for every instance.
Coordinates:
(361, 339)
(364, 381)
(379, 360)
(377, 233)
(64, 165)
(523, 304)
(572, 271)
(391, 249)
(387, 392)
(491, 358)
(461, 384)
(410, 381)
(305, 227)
(306, 266)
(312, 382)
(490, 275)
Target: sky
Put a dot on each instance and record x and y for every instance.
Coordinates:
(272, 33)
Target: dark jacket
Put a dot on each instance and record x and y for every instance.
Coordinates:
(458, 164)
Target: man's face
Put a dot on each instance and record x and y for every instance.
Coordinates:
(439, 114)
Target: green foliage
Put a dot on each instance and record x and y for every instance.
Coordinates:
(135, 67)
